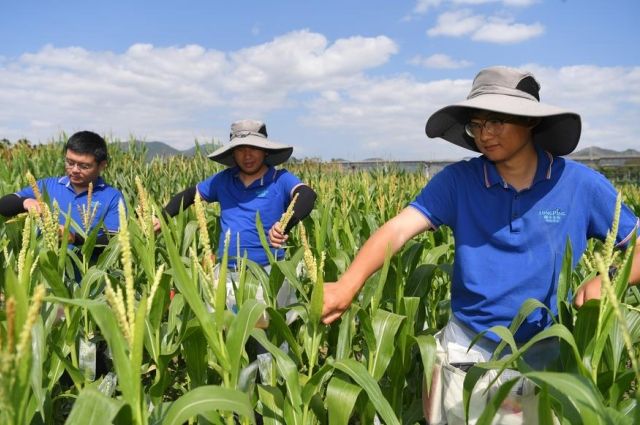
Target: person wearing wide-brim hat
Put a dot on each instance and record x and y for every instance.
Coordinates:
(254, 134)
(512, 211)
(250, 185)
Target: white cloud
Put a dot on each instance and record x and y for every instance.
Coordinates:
(456, 24)
(303, 60)
(520, 3)
(607, 98)
(501, 30)
(386, 117)
(422, 7)
(504, 31)
(155, 91)
(440, 61)
(320, 96)
(512, 3)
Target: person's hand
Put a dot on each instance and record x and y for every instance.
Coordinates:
(30, 204)
(337, 298)
(156, 224)
(72, 236)
(277, 238)
(589, 291)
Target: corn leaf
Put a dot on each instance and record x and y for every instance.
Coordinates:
(385, 328)
(359, 374)
(209, 398)
(341, 399)
(93, 407)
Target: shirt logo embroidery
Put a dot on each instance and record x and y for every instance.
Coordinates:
(552, 216)
(262, 193)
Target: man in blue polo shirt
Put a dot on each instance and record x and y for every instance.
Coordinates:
(85, 158)
(511, 211)
(250, 185)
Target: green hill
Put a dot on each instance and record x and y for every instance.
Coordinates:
(161, 149)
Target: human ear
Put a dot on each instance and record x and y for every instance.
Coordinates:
(533, 122)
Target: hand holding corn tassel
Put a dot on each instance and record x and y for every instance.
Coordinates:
(47, 220)
(276, 235)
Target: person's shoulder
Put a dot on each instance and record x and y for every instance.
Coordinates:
(220, 176)
(110, 192)
(467, 163)
(577, 169)
(464, 167)
(228, 172)
(579, 175)
(115, 191)
(102, 184)
(52, 182)
(280, 173)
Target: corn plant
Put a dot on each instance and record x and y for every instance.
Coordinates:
(592, 383)
(154, 305)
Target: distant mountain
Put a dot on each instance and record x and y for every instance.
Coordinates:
(161, 149)
(596, 152)
(204, 149)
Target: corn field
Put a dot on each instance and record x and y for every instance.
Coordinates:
(169, 351)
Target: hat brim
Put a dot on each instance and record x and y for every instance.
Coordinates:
(558, 131)
(278, 153)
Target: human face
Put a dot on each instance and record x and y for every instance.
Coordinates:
(250, 160)
(501, 137)
(82, 169)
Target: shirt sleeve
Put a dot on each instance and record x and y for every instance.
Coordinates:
(27, 192)
(288, 181)
(208, 188)
(436, 200)
(602, 210)
(112, 216)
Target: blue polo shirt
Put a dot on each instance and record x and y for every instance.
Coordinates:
(105, 197)
(270, 195)
(509, 245)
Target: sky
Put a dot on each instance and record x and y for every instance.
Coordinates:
(348, 79)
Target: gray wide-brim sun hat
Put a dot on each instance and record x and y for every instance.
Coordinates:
(251, 133)
(512, 92)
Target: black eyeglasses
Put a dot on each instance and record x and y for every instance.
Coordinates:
(81, 165)
(493, 127)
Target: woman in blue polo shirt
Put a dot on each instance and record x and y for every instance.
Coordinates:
(251, 184)
(85, 157)
(511, 211)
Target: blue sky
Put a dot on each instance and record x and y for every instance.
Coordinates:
(336, 79)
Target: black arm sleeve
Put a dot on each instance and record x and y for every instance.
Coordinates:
(11, 205)
(303, 207)
(184, 199)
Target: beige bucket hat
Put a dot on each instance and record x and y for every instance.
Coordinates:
(513, 92)
(251, 133)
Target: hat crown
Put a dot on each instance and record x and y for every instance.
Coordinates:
(505, 81)
(244, 128)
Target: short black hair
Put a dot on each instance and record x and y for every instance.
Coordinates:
(87, 142)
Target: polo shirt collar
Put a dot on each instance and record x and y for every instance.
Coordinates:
(543, 172)
(65, 181)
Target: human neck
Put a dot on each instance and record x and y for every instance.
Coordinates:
(520, 170)
(248, 178)
(80, 188)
